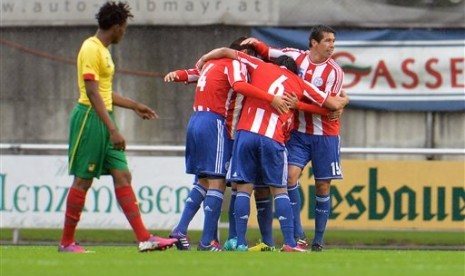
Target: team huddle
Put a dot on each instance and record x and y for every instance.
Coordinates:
(260, 116)
(244, 112)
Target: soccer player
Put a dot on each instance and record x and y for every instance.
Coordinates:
(259, 154)
(315, 138)
(209, 140)
(96, 147)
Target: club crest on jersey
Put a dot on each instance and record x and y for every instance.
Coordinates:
(318, 82)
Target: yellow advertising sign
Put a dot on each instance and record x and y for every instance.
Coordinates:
(427, 195)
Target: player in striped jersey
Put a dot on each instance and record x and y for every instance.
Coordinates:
(259, 154)
(209, 140)
(315, 138)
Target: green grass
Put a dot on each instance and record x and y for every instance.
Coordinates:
(332, 237)
(125, 260)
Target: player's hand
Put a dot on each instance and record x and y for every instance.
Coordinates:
(199, 64)
(335, 115)
(279, 104)
(344, 95)
(250, 41)
(171, 76)
(145, 112)
(117, 140)
(291, 100)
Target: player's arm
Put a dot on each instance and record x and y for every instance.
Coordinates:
(217, 53)
(337, 97)
(260, 47)
(187, 76)
(314, 109)
(311, 108)
(97, 103)
(142, 110)
(270, 53)
(337, 114)
(332, 102)
(293, 102)
(251, 91)
(336, 102)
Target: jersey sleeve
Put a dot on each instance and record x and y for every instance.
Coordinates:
(274, 53)
(312, 93)
(335, 80)
(90, 62)
(249, 90)
(262, 49)
(188, 75)
(311, 108)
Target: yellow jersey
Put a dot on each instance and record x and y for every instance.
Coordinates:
(94, 62)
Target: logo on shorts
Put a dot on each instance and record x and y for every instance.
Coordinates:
(91, 168)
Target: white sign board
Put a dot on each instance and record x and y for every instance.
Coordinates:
(33, 192)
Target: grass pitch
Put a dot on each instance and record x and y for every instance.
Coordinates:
(125, 260)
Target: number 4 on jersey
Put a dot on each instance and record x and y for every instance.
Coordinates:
(202, 81)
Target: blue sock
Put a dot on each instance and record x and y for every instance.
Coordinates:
(296, 204)
(192, 205)
(212, 210)
(284, 213)
(322, 209)
(265, 220)
(242, 213)
(232, 219)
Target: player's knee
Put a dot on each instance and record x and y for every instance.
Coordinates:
(261, 193)
(82, 183)
(121, 178)
(292, 180)
(322, 187)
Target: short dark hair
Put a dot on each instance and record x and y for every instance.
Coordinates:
(113, 13)
(317, 33)
(286, 61)
(236, 45)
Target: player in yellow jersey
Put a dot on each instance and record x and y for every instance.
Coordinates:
(96, 147)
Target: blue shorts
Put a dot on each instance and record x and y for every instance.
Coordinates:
(258, 159)
(208, 148)
(323, 151)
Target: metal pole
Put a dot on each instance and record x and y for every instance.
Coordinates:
(429, 133)
(16, 236)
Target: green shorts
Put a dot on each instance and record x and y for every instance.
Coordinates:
(91, 153)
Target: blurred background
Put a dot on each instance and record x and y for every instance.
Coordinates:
(40, 41)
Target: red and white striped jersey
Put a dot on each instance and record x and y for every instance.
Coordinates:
(188, 75)
(326, 76)
(214, 91)
(259, 116)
